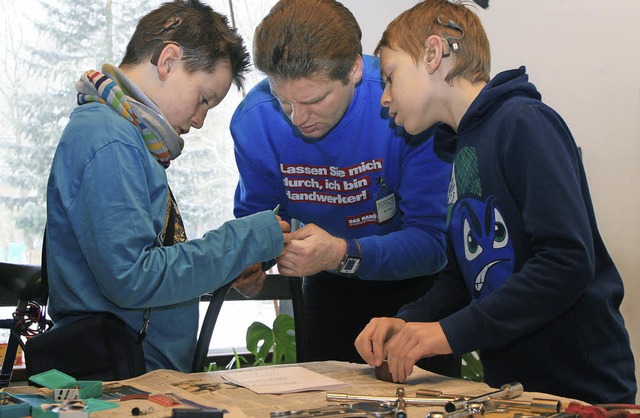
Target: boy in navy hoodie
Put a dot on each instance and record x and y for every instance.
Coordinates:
(529, 281)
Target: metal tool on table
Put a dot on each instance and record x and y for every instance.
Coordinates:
(507, 391)
(470, 410)
(356, 410)
(400, 410)
(431, 393)
(398, 403)
(535, 406)
(345, 397)
(459, 406)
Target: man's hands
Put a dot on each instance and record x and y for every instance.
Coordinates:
(401, 343)
(311, 250)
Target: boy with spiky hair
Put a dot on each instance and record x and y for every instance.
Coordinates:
(115, 241)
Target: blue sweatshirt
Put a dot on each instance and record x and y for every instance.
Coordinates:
(106, 206)
(529, 283)
(336, 181)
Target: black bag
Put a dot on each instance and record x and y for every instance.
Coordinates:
(98, 347)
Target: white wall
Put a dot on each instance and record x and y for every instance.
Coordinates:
(583, 57)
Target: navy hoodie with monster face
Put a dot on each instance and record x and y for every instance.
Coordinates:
(529, 281)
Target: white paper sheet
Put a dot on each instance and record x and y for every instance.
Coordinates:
(278, 380)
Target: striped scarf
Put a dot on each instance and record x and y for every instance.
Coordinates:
(113, 88)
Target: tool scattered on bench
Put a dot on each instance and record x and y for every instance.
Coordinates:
(534, 406)
(460, 406)
(345, 397)
(507, 391)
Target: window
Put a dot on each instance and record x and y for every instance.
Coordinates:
(45, 45)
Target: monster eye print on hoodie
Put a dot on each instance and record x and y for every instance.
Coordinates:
(477, 230)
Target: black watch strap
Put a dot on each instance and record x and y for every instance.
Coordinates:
(352, 259)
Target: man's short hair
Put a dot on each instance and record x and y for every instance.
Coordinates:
(307, 38)
(204, 35)
(452, 21)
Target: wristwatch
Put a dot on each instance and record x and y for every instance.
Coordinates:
(352, 259)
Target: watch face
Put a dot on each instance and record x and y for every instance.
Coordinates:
(351, 265)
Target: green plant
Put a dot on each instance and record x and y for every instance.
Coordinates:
(280, 341)
(212, 367)
(237, 361)
(472, 367)
(262, 341)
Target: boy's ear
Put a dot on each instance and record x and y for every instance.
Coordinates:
(433, 53)
(356, 71)
(170, 54)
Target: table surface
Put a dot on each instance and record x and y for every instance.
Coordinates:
(214, 391)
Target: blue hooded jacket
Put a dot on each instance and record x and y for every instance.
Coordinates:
(529, 281)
